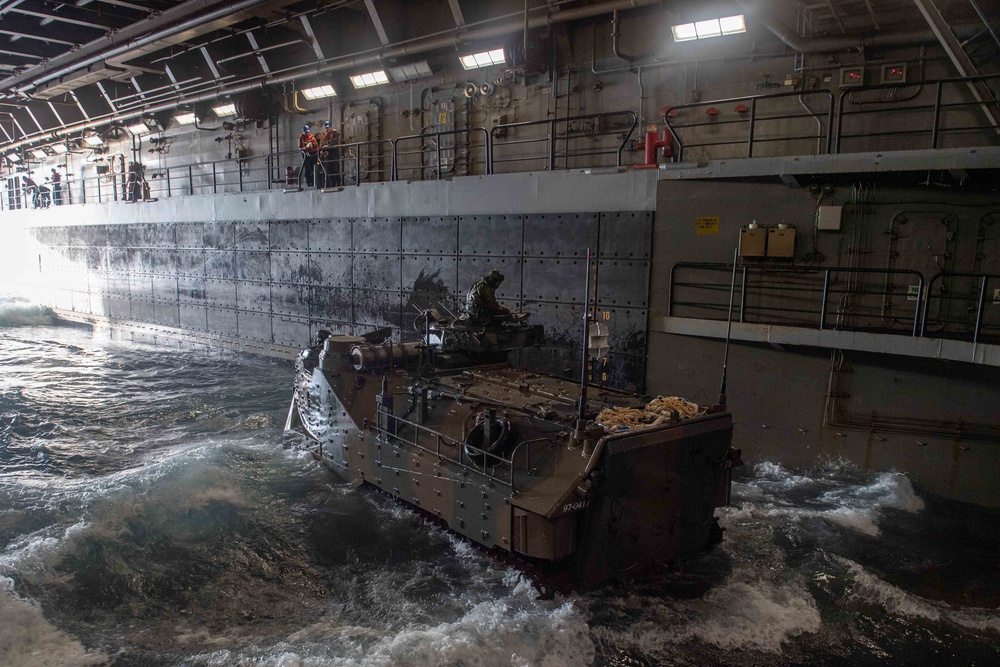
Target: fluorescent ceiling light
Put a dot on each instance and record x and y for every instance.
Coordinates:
(484, 59)
(93, 140)
(39, 153)
(138, 128)
(370, 79)
(729, 25)
(59, 149)
(411, 71)
(319, 91)
(14, 157)
(684, 32)
(225, 110)
(185, 118)
(732, 25)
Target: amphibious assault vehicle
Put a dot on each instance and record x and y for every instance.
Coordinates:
(593, 484)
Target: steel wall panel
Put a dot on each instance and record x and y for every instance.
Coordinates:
(290, 330)
(560, 234)
(143, 310)
(627, 327)
(430, 273)
(165, 261)
(162, 235)
(193, 317)
(76, 236)
(332, 303)
(100, 304)
(166, 314)
(121, 308)
(119, 259)
(222, 320)
(253, 265)
(430, 235)
(626, 235)
(254, 325)
(220, 235)
(164, 288)
(331, 269)
(140, 285)
(563, 322)
(220, 293)
(328, 235)
(290, 299)
(117, 236)
(252, 235)
(376, 308)
(191, 290)
(490, 235)
(190, 262)
(623, 283)
(562, 280)
(253, 296)
(289, 235)
(291, 267)
(140, 261)
(220, 264)
(376, 272)
(377, 235)
(471, 269)
(190, 235)
(118, 284)
(334, 326)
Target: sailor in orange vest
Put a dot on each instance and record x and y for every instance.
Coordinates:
(310, 148)
(331, 154)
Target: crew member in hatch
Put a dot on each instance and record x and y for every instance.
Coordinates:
(481, 303)
(330, 154)
(310, 148)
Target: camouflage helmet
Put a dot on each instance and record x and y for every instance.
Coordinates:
(494, 277)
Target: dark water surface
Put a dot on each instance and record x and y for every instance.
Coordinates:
(149, 515)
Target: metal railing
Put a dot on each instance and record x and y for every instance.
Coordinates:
(805, 299)
(588, 127)
(749, 120)
(430, 143)
(974, 301)
(934, 128)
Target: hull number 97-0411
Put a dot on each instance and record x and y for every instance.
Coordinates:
(578, 505)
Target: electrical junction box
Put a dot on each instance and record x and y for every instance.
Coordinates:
(753, 242)
(852, 76)
(781, 242)
(894, 73)
(828, 218)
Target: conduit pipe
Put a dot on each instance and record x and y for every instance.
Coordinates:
(187, 16)
(420, 45)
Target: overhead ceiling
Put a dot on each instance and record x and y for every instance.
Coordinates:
(68, 64)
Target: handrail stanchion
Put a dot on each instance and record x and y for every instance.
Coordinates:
(190, 180)
(937, 116)
(168, 180)
(823, 300)
(753, 118)
(215, 180)
(743, 293)
(552, 145)
(916, 306)
(979, 314)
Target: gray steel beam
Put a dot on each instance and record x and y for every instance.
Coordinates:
(40, 38)
(257, 52)
(313, 42)
(456, 11)
(61, 19)
(211, 63)
(56, 113)
(379, 28)
(959, 58)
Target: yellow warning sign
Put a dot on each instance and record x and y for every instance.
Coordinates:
(442, 118)
(706, 226)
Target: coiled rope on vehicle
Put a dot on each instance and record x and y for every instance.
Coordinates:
(657, 411)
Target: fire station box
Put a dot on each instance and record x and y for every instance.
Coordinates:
(753, 241)
(781, 242)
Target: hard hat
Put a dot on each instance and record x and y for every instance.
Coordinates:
(494, 276)
(305, 128)
(326, 123)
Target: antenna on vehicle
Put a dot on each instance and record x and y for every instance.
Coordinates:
(729, 329)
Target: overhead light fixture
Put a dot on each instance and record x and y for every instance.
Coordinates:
(729, 25)
(410, 72)
(93, 140)
(224, 110)
(39, 153)
(484, 59)
(13, 157)
(139, 128)
(185, 118)
(59, 149)
(317, 92)
(370, 79)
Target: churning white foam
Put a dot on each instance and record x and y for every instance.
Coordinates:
(28, 640)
